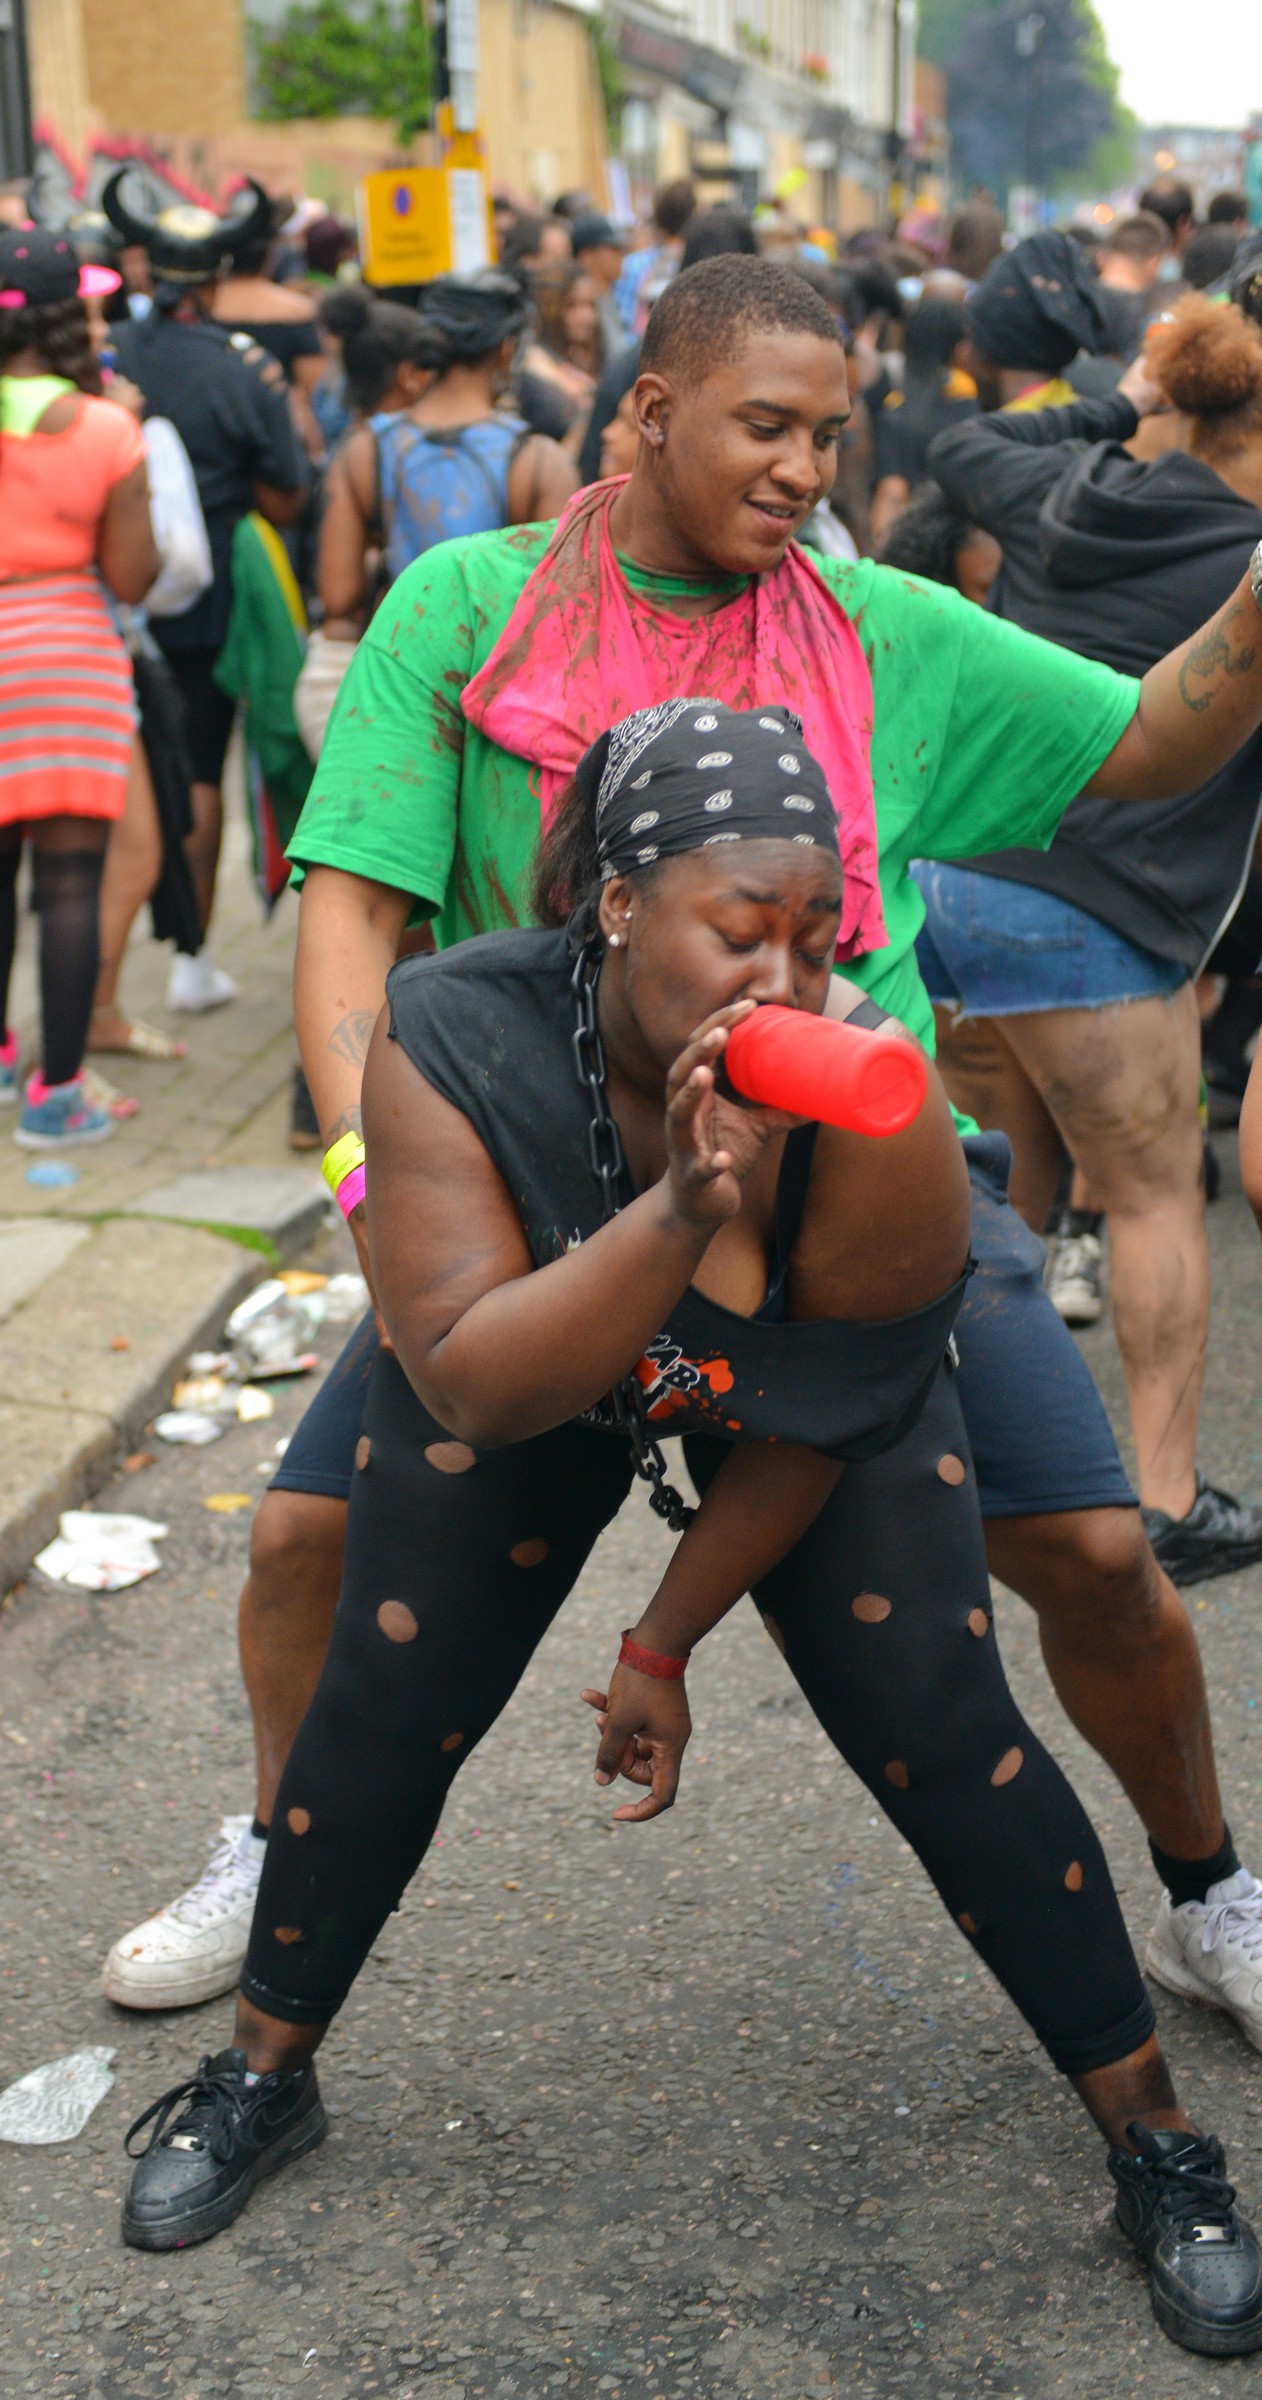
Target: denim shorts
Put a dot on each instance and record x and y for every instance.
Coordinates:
(997, 949)
(321, 1453)
(1040, 1439)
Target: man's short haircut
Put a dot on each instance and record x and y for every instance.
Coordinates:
(522, 239)
(1228, 208)
(1170, 199)
(974, 238)
(707, 313)
(719, 233)
(674, 206)
(1139, 237)
(1208, 256)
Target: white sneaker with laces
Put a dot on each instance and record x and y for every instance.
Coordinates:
(1211, 1950)
(193, 1950)
(197, 984)
(1073, 1281)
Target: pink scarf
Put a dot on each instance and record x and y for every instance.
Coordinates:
(580, 651)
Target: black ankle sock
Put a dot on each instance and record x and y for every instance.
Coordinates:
(259, 1830)
(1190, 1878)
(1080, 1220)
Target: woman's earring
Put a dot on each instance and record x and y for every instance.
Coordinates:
(614, 940)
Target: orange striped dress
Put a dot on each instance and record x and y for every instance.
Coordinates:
(67, 706)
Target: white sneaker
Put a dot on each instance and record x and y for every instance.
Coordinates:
(1073, 1280)
(197, 984)
(194, 1949)
(1211, 1950)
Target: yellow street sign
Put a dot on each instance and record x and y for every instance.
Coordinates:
(405, 225)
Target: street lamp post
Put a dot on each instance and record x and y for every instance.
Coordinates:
(16, 150)
(1028, 37)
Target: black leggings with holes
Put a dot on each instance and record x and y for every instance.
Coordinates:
(456, 1564)
(68, 859)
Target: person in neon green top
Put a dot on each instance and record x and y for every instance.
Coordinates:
(981, 734)
(978, 728)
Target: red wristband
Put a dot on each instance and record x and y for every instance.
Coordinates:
(651, 1662)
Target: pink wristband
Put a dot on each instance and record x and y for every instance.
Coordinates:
(350, 1191)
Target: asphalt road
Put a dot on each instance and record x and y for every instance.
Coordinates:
(722, 2107)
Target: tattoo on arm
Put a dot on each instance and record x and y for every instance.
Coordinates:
(1212, 656)
(351, 1035)
(350, 1121)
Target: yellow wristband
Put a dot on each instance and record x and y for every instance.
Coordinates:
(341, 1158)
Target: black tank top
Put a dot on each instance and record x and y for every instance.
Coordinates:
(489, 1024)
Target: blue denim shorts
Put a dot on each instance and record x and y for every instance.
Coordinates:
(1040, 1438)
(997, 949)
(321, 1453)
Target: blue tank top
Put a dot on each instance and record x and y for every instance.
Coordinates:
(437, 483)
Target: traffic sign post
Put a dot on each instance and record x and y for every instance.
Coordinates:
(418, 222)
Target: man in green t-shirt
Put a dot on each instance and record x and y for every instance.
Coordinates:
(983, 735)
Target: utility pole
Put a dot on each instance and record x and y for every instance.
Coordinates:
(455, 58)
(1029, 36)
(17, 157)
(439, 80)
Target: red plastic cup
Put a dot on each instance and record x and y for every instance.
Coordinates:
(836, 1074)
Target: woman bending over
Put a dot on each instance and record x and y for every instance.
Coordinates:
(578, 1234)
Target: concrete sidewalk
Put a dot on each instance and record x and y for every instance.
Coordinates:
(108, 1282)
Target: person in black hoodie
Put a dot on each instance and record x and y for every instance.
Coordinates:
(936, 394)
(1069, 974)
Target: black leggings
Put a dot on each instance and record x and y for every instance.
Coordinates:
(69, 859)
(456, 1565)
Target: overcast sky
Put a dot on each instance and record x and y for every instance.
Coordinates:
(1186, 67)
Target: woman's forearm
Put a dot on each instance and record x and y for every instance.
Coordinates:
(764, 1498)
(349, 932)
(1197, 707)
(542, 1347)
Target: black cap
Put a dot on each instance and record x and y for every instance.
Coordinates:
(1037, 306)
(37, 269)
(594, 232)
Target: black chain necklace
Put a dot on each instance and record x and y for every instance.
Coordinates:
(604, 1146)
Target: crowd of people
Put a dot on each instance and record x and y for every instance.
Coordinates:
(631, 635)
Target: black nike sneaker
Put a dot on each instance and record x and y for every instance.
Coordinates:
(198, 2169)
(1204, 2264)
(1218, 1534)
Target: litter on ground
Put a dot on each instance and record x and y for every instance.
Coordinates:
(101, 1553)
(53, 2103)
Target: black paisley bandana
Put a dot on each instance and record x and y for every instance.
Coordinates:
(692, 775)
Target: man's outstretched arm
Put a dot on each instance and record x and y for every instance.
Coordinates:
(1196, 709)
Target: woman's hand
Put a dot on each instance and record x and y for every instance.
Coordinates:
(711, 1141)
(1140, 386)
(128, 395)
(645, 1727)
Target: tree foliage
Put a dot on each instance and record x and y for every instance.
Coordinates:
(325, 59)
(943, 25)
(1015, 112)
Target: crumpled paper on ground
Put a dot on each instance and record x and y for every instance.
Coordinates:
(272, 1327)
(189, 1425)
(101, 1553)
(53, 2103)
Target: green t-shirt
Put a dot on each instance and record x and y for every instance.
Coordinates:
(984, 734)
